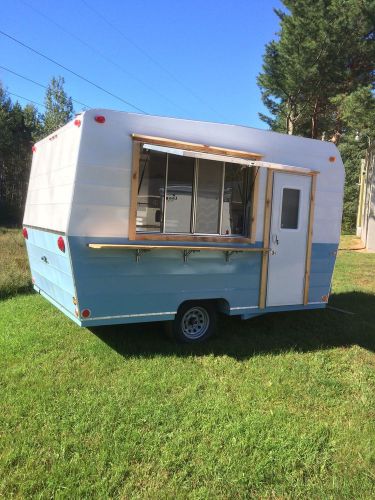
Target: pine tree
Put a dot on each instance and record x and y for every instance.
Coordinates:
(324, 48)
(318, 79)
(16, 138)
(33, 121)
(59, 107)
(19, 129)
(356, 112)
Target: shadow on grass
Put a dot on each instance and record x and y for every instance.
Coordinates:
(301, 331)
(22, 290)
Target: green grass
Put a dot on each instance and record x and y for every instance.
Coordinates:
(281, 406)
(14, 269)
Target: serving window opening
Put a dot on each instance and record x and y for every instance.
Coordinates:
(183, 195)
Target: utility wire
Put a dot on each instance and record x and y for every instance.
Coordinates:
(128, 103)
(106, 58)
(39, 84)
(151, 58)
(26, 99)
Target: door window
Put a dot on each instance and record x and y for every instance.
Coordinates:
(290, 208)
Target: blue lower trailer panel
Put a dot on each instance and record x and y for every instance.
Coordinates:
(112, 284)
(116, 289)
(51, 268)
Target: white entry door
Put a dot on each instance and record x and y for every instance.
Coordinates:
(288, 239)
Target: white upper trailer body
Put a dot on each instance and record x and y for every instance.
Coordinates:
(132, 217)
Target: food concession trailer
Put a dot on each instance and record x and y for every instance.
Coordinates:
(133, 218)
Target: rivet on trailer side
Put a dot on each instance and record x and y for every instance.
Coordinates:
(132, 218)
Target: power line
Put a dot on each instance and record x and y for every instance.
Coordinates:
(26, 99)
(39, 84)
(24, 77)
(151, 58)
(106, 58)
(128, 103)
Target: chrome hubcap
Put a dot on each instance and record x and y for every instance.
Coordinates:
(195, 323)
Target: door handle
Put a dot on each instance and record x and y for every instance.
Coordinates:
(275, 239)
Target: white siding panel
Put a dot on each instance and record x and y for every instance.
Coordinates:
(102, 194)
(99, 220)
(58, 177)
(40, 216)
(105, 145)
(328, 210)
(52, 179)
(102, 175)
(326, 231)
(276, 147)
(101, 197)
(115, 196)
(51, 195)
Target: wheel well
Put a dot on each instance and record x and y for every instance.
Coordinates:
(221, 305)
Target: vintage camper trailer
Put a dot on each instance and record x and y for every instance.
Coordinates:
(133, 218)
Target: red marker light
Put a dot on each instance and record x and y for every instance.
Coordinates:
(33, 149)
(61, 243)
(86, 313)
(99, 119)
(77, 123)
(25, 234)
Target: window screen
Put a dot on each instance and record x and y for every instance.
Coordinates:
(234, 199)
(181, 194)
(210, 178)
(290, 208)
(151, 191)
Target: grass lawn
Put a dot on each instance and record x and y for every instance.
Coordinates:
(281, 406)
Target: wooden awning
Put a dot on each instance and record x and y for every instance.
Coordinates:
(201, 148)
(248, 158)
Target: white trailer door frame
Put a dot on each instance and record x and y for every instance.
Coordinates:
(288, 240)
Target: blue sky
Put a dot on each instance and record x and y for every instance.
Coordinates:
(191, 59)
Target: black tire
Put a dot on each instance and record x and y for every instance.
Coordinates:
(194, 322)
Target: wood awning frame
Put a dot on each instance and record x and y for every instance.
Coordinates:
(254, 159)
(201, 148)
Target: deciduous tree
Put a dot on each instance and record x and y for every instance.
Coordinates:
(59, 106)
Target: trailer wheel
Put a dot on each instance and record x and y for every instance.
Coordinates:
(194, 322)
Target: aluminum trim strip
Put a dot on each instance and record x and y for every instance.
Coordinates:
(196, 154)
(168, 313)
(245, 307)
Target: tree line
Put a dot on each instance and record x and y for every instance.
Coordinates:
(318, 80)
(20, 128)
